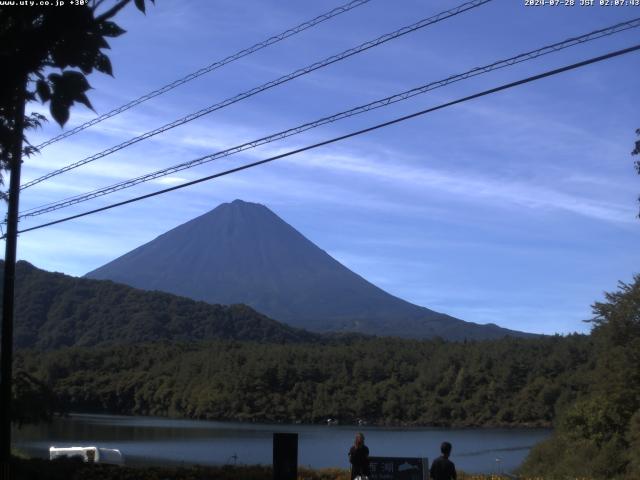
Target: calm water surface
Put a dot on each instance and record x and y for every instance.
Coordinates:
(147, 440)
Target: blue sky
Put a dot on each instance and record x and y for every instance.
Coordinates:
(518, 208)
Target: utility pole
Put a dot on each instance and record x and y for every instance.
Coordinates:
(6, 356)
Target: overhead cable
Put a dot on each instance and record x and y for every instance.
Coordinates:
(530, 79)
(286, 78)
(530, 55)
(214, 66)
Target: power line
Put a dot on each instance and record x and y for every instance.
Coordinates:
(333, 118)
(530, 79)
(286, 78)
(214, 66)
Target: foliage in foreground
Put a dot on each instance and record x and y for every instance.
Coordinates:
(47, 54)
(36, 469)
(599, 435)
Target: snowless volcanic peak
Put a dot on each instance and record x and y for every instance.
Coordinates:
(242, 252)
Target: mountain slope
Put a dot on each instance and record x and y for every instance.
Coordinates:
(242, 252)
(53, 310)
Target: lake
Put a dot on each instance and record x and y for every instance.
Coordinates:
(148, 440)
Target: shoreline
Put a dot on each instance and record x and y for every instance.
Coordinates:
(293, 423)
(151, 441)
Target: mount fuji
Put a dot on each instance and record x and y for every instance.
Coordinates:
(242, 252)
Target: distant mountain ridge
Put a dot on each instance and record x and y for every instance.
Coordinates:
(53, 310)
(242, 252)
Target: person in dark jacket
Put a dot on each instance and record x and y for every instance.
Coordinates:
(442, 468)
(359, 457)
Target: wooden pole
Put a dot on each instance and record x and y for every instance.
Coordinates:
(6, 356)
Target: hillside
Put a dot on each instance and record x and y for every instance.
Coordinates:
(242, 252)
(53, 310)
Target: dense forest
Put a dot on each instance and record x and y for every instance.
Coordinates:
(386, 381)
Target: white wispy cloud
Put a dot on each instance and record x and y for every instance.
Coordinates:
(170, 180)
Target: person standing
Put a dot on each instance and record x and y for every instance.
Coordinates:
(359, 458)
(442, 468)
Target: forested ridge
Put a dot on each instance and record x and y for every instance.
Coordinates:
(53, 310)
(512, 382)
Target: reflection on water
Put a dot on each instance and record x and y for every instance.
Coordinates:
(147, 440)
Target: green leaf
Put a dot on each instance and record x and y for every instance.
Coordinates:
(54, 78)
(42, 87)
(29, 150)
(82, 98)
(75, 82)
(103, 64)
(111, 29)
(102, 43)
(59, 111)
(86, 63)
(140, 5)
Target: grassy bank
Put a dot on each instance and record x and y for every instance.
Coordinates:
(38, 469)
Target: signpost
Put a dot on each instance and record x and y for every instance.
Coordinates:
(285, 456)
(398, 468)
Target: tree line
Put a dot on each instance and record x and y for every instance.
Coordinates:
(509, 382)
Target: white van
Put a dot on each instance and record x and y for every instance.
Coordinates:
(88, 454)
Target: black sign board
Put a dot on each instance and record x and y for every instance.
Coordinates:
(285, 456)
(397, 468)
